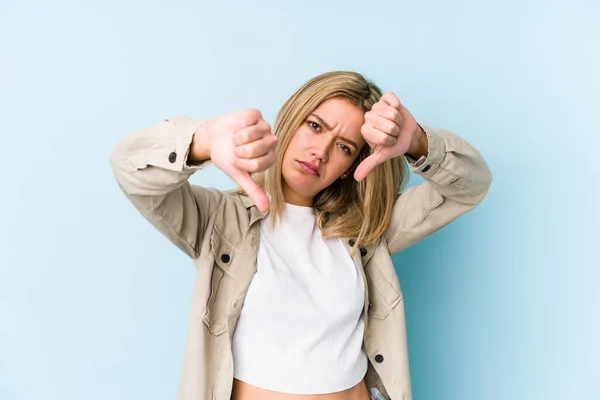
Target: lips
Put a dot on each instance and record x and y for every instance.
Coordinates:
(309, 168)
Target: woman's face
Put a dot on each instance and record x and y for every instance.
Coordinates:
(321, 150)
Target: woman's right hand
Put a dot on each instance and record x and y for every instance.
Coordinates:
(239, 143)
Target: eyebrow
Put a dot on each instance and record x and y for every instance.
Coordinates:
(326, 125)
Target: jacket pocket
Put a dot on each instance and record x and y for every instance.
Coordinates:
(221, 286)
(384, 288)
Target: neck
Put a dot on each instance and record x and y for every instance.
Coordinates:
(291, 197)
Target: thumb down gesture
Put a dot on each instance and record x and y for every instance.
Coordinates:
(241, 143)
(390, 130)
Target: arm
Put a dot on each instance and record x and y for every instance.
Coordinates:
(152, 168)
(456, 177)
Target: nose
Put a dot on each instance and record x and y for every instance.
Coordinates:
(322, 146)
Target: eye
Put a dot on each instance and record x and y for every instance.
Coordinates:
(314, 126)
(345, 148)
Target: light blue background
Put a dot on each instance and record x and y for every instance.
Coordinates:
(502, 304)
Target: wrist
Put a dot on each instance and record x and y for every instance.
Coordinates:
(200, 146)
(419, 146)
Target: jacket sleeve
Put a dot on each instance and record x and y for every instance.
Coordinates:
(151, 168)
(456, 177)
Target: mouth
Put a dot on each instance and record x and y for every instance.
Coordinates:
(309, 168)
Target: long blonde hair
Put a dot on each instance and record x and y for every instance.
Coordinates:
(346, 208)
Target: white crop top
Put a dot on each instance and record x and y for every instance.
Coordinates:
(301, 327)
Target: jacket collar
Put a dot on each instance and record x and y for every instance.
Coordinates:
(255, 215)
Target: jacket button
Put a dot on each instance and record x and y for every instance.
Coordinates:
(172, 157)
(225, 258)
(379, 358)
(426, 168)
(351, 242)
(363, 252)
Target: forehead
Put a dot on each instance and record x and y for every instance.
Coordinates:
(341, 109)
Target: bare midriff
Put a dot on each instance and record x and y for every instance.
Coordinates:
(245, 391)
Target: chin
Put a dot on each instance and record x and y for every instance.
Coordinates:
(299, 183)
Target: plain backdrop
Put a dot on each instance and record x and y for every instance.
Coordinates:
(501, 304)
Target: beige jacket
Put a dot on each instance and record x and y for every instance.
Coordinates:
(219, 231)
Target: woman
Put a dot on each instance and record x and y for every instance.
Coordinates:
(296, 296)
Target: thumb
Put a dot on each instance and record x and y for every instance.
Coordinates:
(256, 194)
(368, 164)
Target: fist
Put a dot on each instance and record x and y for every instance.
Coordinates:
(241, 143)
(389, 129)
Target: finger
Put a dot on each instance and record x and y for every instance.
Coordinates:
(256, 194)
(248, 117)
(367, 165)
(257, 148)
(390, 113)
(390, 99)
(252, 133)
(385, 125)
(258, 164)
(375, 136)
(385, 118)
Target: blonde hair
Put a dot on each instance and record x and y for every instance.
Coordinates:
(346, 208)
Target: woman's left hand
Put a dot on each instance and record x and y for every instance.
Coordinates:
(391, 131)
